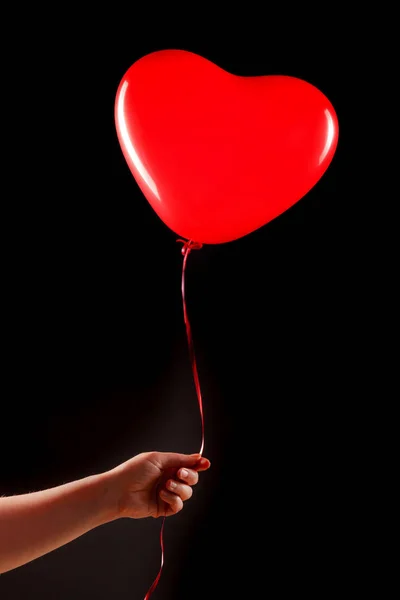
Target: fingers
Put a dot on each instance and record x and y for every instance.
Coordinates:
(188, 476)
(203, 464)
(175, 460)
(180, 489)
(187, 467)
(175, 494)
(177, 491)
(174, 501)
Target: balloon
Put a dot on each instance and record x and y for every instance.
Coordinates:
(219, 155)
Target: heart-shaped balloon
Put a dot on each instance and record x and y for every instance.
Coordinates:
(219, 155)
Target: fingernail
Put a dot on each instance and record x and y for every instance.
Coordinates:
(204, 461)
(184, 473)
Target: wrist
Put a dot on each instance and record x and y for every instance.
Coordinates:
(106, 499)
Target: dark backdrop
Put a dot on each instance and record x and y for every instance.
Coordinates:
(95, 359)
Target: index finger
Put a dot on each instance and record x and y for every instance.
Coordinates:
(202, 465)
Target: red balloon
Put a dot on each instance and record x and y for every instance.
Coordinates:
(219, 155)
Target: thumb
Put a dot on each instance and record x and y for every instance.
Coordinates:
(175, 460)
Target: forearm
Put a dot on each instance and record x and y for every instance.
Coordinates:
(32, 525)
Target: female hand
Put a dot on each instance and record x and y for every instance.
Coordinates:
(155, 484)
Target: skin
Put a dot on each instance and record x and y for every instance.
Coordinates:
(151, 484)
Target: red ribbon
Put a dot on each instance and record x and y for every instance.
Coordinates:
(188, 245)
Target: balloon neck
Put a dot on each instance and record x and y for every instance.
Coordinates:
(189, 245)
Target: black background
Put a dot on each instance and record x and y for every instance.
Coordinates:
(96, 365)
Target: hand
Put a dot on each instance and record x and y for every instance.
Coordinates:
(155, 484)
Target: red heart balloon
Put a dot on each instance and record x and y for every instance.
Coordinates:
(219, 155)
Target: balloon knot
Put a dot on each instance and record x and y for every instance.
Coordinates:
(189, 245)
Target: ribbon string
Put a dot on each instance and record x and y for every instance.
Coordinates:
(188, 245)
(186, 248)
